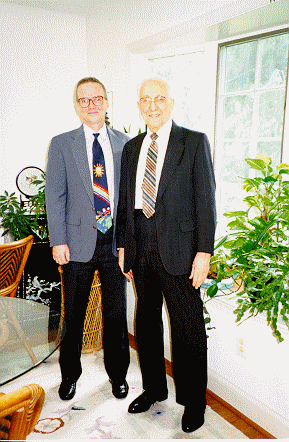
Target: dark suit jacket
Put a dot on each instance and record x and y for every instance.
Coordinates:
(69, 194)
(185, 206)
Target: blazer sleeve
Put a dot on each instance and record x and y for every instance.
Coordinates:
(122, 202)
(56, 194)
(204, 185)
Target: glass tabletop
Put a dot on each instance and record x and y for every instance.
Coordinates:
(29, 333)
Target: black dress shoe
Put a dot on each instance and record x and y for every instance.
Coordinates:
(67, 390)
(191, 420)
(119, 389)
(144, 402)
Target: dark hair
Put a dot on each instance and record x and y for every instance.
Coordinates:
(90, 80)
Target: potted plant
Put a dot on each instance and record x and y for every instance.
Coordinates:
(257, 246)
(14, 217)
(38, 210)
(20, 221)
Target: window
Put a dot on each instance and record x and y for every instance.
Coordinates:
(250, 112)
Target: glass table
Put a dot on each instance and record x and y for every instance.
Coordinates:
(29, 333)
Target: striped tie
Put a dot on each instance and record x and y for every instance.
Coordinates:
(149, 181)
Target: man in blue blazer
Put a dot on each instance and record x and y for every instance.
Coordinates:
(77, 243)
(165, 235)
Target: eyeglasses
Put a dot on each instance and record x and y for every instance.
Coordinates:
(147, 101)
(85, 102)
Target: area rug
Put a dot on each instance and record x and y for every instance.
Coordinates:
(95, 414)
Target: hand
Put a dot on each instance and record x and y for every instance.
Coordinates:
(129, 275)
(61, 254)
(200, 269)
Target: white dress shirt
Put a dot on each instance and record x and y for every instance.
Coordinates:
(162, 142)
(108, 158)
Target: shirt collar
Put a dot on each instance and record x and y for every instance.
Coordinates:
(89, 132)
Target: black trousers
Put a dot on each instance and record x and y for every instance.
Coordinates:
(77, 278)
(185, 308)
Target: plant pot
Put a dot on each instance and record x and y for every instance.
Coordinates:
(239, 283)
(225, 284)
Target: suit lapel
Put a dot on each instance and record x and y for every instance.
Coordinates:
(173, 156)
(116, 144)
(134, 162)
(78, 147)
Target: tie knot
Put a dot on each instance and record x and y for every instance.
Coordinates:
(154, 136)
(96, 135)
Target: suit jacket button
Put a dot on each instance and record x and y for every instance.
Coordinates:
(94, 227)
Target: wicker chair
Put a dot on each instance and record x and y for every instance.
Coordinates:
(13, 257)
(20, 411)
(93, 323)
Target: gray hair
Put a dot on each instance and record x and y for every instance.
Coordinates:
(89, 80)
(167, 86)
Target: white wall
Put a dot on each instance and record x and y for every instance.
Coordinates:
(248, 368)
(43, 55)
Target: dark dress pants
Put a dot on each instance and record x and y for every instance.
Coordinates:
(78, 277)
(188, 333)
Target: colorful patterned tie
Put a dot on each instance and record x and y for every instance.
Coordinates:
(149, 181)
(100, 188)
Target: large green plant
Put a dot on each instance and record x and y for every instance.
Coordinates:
(23, 221)
(257, 246)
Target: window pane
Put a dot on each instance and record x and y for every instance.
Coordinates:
(231, 169)
(274, 54)
(271, 148)
(271, 108)
(238, 112)
(240, 67)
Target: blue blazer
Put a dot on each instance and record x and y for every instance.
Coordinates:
(185, 210)
(69, 195)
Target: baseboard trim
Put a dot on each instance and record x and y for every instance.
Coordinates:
(211, 396)
(236, 412)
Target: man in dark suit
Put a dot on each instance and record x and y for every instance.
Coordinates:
(165, 235)
(82, 233)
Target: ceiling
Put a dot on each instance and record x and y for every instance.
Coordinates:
(193, 8)
(149, 18)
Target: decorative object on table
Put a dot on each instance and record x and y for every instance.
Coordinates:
(13, 257)
(20, 411)
(257, 246)
(28, 181)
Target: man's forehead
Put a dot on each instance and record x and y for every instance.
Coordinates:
(92, 86)
(153, 87)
